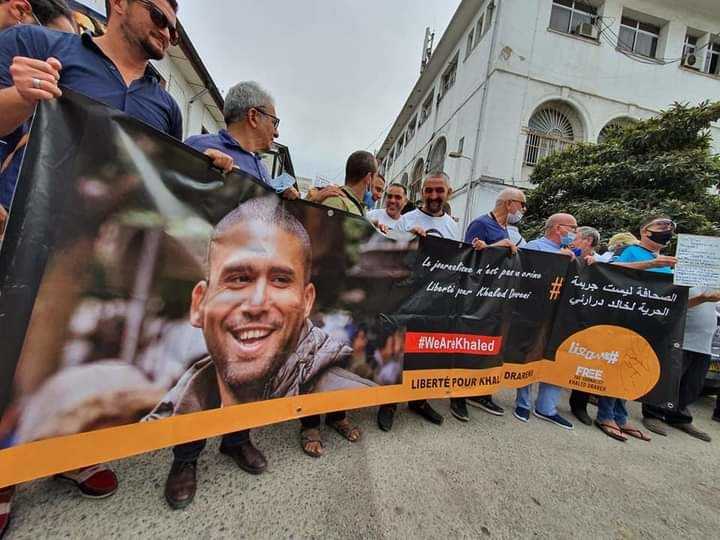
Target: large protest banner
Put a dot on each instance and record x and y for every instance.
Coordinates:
(147, 300)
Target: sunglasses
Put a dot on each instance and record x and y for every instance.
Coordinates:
(274, 119)
(160, 20)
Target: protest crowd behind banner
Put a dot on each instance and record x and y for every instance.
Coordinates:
(164, 292)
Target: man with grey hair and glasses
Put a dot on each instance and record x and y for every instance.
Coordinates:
(252, 125)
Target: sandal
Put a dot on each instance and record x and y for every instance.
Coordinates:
(611, 431)
(346, 429)
(311, 436)
(635, 433)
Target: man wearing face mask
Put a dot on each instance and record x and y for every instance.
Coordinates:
(656, 232)
(560, 232)
(492, 230)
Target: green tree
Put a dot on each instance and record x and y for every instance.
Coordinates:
(662, 165)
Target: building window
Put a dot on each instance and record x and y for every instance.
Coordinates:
(479, 29)
(436, 159)
(549, 130)
(638, 37)
(470, 43)
(427, 108)
(712, 58)
(448, 79)
(416, 181)
(488, 17)
(390, 158)
(411, 128)
(568, 16)
(400, 145)
(689, 48)
(461, 145)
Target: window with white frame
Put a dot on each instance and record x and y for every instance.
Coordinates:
(470, 42)
(488, 17)
(712, 58)
(426, 110)
(400, 145)
(448, 78)
(689, 47)
(461, 145)
(550, 130)
(390, 157)
(567, 16)
(411, 128)
(638, 37)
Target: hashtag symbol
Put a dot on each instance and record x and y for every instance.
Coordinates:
(556, 287)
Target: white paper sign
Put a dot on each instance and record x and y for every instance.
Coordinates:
(698, 262)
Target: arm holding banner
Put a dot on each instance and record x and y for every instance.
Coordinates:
(703, 298)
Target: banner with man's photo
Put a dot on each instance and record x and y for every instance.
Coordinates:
(146, 300)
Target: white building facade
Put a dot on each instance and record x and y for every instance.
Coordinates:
(513, 80)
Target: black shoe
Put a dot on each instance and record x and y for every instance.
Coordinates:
(249, 458)
(583, 416)
(486, 404)
(424, 409)
(181, 484)
(459, 410)
(385, 417)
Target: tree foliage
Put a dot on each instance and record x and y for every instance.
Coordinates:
(662, 165)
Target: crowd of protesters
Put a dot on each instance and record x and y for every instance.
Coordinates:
(41, 50)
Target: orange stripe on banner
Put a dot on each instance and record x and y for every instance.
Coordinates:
(44, 458)
(443, 343)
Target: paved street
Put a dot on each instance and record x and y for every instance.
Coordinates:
(493, 477)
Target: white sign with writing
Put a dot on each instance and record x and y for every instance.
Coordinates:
(698, 262)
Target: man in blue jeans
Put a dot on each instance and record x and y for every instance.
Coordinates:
(560, 230)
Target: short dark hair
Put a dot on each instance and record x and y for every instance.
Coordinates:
(173, 5)
(359, 165)
(47, 11)
(268, 211)
(398, 184)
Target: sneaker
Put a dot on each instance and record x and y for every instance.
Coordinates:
(522, 414)
(486, 404)
(554, 419)
(96, 482)
(693, 432)
(6, 497)
(423, 408)
(459, 410)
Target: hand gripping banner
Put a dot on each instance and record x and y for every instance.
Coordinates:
(147, 300)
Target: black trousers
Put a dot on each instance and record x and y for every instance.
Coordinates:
(315, 420)
(694, 369)
(579, 400)
(191, 451)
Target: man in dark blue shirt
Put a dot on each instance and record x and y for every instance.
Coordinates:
(252, 125)
(113, 69)
(491, 230)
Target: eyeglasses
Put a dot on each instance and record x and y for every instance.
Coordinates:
(160, 20)
(274, 119)
(662, 224)
(522, 204)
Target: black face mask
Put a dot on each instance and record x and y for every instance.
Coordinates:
(663, 238)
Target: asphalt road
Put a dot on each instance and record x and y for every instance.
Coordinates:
(490, 478)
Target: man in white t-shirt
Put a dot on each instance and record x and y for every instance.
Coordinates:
(430, 220)
(395, 200)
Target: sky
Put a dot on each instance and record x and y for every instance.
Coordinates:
(339, 70)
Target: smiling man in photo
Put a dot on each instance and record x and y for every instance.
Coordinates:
(253, 308)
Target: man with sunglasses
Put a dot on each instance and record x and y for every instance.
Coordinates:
(114, 69)
(560, 233)
(492, 230)
(656, 232)
(252, 126)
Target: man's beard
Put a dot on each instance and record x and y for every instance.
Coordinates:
(151, 52)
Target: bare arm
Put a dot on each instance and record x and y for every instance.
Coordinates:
(703, 298)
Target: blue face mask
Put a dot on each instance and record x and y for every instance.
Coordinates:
(577, 251)
(567, 239)
(369, 201)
